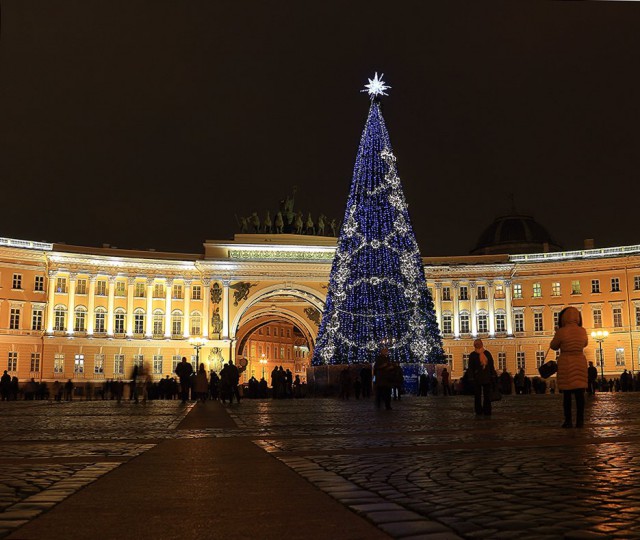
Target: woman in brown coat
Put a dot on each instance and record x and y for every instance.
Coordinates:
(571, 339)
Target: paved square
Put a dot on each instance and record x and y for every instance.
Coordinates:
(427, 469)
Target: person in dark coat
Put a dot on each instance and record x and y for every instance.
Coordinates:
(483, 373)
(423, 385)
(446, 382)
(365, 377)
(184, 370)
(592, 377)
(383, 371)
(5, 385)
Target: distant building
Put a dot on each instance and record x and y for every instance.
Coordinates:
(92, 313)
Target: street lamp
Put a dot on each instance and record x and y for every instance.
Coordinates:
(263, 361)
(197, 343)
(600, 336)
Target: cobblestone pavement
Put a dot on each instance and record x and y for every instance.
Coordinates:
(427, 469)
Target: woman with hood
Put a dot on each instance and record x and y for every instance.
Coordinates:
(570, 340)
(483, 374)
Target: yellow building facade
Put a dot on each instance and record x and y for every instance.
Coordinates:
(89, 314)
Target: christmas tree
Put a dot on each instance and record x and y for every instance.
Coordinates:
(377, 295)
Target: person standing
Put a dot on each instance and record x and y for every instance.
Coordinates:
(184, 370)
(202, 384)
(365, 377)
(483, 374)
(571, 339)
(383, 371)
(592, 376)
(446, 382)
(5, 385)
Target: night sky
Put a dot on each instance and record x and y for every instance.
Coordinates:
(151, 124)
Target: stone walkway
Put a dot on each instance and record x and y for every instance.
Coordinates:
(319, 468)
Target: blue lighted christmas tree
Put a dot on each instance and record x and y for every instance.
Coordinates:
(377, 292)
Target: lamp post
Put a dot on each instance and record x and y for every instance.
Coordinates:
(600, 336)
(263, 361)
(197, 343)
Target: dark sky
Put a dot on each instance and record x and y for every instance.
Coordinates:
(150, 124)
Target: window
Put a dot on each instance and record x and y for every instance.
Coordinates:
(282, 352)
(80, 319)
(119, 321)
(465, 361)
(59, 318)
(138, 321)
(196, 292)
(537, 322)
(446, 293)
(502, 361)
(35, 362)
(595, 285)
(518, 320)
(447, 323)
(158, 322)
(617, 317)
(597, 317)
(268, 331)
(575, 287)
(12, 361)
(463, 292)
(448, 360)
(138, 360)
(14, 318)
(288, 332)
(101, 287)
(175, 360)
(37, 314)
(281, 332)
(615, 284)
(121, 288)
(501, 323)
(98, 364)
(520, 360)
(636, 283)
(482, 292)
(58, 363)
(101, 315)
(517, 290)
(599, 358)
(176, 323)
(158, 290)
(177, 292)
(81, 286)
(537, 290)
(61, 285)
(139, 291)
(196, 323)
(157, 364)
(17, 281)
(464, 322)
(499, 293)
(539, 358)
(619, 356)
(483, 326)
(637, 315)
(78, 364)
(38, 284)
(118, 364)
(556, 320)
(555, 288)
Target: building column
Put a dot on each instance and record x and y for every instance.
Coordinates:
(225, 308)
(149, 326)
(186, 325)
(110, 301)
(91, 305)
(456, 310)
(167, 308)
(131, 281)
(508, 307)
(438, 303)
(52, 298)
(492, 309)
(206, 300)
(472, 308)
(71, 304)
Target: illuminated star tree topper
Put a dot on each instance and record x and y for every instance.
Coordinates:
(376, 86)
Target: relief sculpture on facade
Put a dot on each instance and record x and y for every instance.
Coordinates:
(241, 291)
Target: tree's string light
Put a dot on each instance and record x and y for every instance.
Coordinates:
(377, 292)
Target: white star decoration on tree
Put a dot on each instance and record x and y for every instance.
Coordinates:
(376, 87)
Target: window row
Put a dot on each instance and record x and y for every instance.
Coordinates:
(270, 351)
(267, 331)
(482, 322)
(157, 364)
(576, 287)
(463, 292)
(120, 289)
